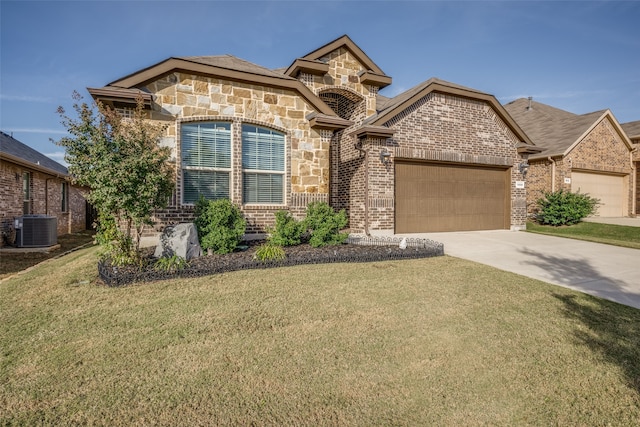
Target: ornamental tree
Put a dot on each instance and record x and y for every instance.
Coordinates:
(125, 168)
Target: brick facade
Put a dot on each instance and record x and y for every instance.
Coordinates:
(326, 160)
(440, 128)
(45, 198)
(602, 150)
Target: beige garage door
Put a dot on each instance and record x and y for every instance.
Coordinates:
(437, 197)
(610, 189)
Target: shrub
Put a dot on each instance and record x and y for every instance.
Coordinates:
(270, 252)
(565, 208)
(220, 225)
(171, 264)
(287, 231)
(325, 225)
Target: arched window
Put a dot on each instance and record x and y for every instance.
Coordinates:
(263, 173)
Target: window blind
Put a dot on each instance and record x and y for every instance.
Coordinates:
(262, 188)
(211, 185)
(206, 160)
(206, 145)
(263, 151)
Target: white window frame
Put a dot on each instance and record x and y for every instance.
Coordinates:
(268, 172)
(185, 167)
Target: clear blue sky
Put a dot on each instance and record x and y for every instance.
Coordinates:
(580, 56)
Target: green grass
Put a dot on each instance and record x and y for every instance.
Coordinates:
(618, 235)
(438, 341)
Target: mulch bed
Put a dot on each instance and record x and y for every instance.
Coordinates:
(356, 251)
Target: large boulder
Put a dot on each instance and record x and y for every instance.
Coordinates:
(180, 240)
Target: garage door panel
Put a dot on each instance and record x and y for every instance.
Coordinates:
(610, 189)
(437, 197)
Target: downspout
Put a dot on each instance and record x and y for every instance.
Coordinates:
(553, 174)
(46, 196)
(358, 146)
(634, 181)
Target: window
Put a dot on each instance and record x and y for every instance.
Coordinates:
(262, 165)
(64, 197)
(26, 193)
(206, 160)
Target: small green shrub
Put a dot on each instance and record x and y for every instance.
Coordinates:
(115, 246)
(171, 264)
(270, 252)
(325, 224)
(565, 208)
(220, 225)
(287, 231)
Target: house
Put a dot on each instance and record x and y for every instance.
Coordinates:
(438, 157)
(633, 132)
(32, 183)
(589, 153)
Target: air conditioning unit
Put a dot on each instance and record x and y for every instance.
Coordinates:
(33, 231)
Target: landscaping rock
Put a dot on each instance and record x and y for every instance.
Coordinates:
(180, 240)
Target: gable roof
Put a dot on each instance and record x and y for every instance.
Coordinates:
(15, 151)
(225, 66)
(632, 129)
(390, 108)
(346, 42)
(557, 131)
(313, 62)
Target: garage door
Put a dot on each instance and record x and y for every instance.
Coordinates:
(437, 197)
(610, 189)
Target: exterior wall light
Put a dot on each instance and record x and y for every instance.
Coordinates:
(523, 167)
(385, 157)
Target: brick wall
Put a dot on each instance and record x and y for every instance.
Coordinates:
(602, 150)
(46, 198)
(447, 128)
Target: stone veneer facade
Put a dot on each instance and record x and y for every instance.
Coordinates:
(326, 162)
(45, 198)
(198, 98)
(601, 151)
(181, 97)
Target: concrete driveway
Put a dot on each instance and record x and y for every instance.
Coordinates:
(605, 271)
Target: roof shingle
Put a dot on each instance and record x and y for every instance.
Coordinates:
(552, 129)
(16, 149)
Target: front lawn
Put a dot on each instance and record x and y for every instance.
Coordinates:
(437, 341)
(618, 235)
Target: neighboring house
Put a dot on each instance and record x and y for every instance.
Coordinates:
(589, 153)
(32, 183)
(633, 132)
(438, 157)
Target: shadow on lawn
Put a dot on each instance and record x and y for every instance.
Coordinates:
(612, 330)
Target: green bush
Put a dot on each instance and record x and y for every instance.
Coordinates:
(565, 208)
(171, 264)
(270, 252)
(220, 225)
(287, 231)
(325, 225)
